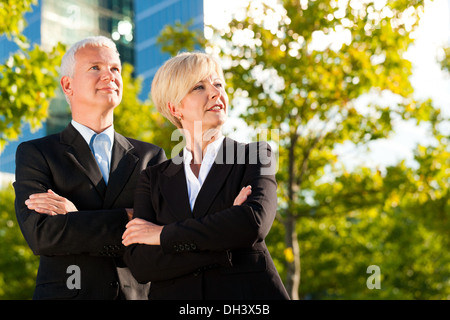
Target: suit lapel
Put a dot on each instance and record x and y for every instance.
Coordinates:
(174, 189)
(216, 178)
(123, 163)
(80, 154)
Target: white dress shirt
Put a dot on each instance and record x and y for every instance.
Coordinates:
(194, 184)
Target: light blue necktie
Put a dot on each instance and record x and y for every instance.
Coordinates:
(100, 145)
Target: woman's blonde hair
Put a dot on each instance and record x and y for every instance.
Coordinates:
(177, 76)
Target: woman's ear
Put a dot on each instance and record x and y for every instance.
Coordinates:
(66, 85)
(174, 111)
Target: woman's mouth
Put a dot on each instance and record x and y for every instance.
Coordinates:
(216, 107)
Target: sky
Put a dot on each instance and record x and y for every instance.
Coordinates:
(428, 80)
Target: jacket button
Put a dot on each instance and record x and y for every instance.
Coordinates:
(114, 284)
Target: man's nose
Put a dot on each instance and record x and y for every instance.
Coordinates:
(108, 76)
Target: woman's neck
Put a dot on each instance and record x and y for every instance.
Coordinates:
(197, 144)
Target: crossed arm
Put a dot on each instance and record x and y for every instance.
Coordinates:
(50, 203)
(138, 230)
(53, 204)
(145, 232)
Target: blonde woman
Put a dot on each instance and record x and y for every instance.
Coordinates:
(200, 219)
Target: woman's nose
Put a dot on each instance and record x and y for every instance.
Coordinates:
(214, 92)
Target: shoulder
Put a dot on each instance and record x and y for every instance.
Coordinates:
(251, 154)
(147, 150)
(248, 151)
(40, 143)
(158, 171)
(163, 166)
(142, 144)
(231, 143)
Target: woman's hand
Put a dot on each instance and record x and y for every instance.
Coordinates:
(50, 203)
(145, 232)
(141, 231)
(242, 196)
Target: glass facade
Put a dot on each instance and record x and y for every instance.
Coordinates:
(71, 20)
(151, 17)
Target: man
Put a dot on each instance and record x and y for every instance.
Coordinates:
(75, 190)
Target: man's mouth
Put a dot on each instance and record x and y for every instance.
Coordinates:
(108, 89)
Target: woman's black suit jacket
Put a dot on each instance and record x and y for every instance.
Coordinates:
(218, 250)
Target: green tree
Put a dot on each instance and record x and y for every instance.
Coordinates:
(12, 21)
(301, 67)
(396, 220)
(18, 265)
(178, 37)
(28, 78)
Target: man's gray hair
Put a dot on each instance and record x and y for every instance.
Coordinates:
(68, 60)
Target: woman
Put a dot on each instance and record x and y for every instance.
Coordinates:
(201, 217)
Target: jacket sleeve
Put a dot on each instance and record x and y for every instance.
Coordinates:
(84, 232)
(237, 227)
(151, 263)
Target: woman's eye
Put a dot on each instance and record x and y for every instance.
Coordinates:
(219, 85)
(199, 87)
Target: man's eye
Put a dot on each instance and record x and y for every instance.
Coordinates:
(95, 68)
(116, 70)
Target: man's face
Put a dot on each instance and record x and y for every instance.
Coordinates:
(97, 82)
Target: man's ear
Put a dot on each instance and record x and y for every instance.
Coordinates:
(66, 85)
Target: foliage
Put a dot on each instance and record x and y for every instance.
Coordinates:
(302, 67)
(397, 220)
(445, 61)
(177, 37)
(12, 22)
(27, 83)
(299, 79)
(18, 265)
(140, 119)
(28, 79)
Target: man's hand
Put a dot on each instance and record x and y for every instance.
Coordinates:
(49, 203)
(242, 196)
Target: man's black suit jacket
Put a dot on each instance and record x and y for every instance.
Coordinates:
(216, 251)
(90, 238)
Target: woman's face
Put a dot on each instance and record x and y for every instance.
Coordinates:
(206, 104)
